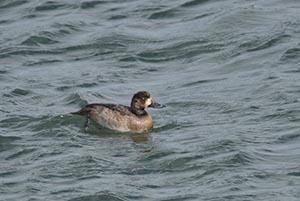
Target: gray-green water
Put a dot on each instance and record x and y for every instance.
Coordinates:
(228, 72)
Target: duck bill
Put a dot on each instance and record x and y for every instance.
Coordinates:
(156, 105)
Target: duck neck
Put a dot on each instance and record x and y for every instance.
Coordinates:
(136, 108)
(138, 112)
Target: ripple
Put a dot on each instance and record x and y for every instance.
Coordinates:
(6, 143)
(184, 50)
(181, 197)
(195, 83)
(284, 115)
(50, 5)
(167, 127)
(47, 124)
(292, 71)
(87, 85)
(42, 62)
(64, 88)
(63, 29)
(296, 174)
(143, 171)
(101, 196)
(20, 154)
(74, 99)
(288, 138)
(37, 40)
(8, 139)
(91, 4)
(26, 51)
(20, 92)
(156, 156)
(269, 43)
(16, 122)
(194, 3)
(12, 4)
(291, 54)
(170, 13)
(117, 17)
(241, 158)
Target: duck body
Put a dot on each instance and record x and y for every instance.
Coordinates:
(120, 117)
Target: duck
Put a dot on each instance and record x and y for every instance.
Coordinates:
(133, 118)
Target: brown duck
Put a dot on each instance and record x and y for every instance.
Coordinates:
(120, 117)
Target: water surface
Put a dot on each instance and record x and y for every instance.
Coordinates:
(228, 72)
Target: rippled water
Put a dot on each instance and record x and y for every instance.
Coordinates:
(228, 72)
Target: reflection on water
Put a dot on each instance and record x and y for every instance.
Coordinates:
(135, 137)
(140, 138)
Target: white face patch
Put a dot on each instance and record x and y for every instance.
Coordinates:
(148, 102)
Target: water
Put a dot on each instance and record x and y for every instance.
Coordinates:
(228, 72)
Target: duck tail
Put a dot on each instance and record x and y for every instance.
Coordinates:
(83, 112)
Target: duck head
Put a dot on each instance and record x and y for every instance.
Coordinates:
(141, 100)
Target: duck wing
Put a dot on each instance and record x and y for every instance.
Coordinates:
(122, 109)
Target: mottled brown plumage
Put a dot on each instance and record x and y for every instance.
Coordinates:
(121, 117)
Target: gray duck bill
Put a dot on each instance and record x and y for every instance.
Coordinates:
(156, 105)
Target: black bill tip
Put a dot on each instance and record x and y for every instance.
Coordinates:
(156, 105)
